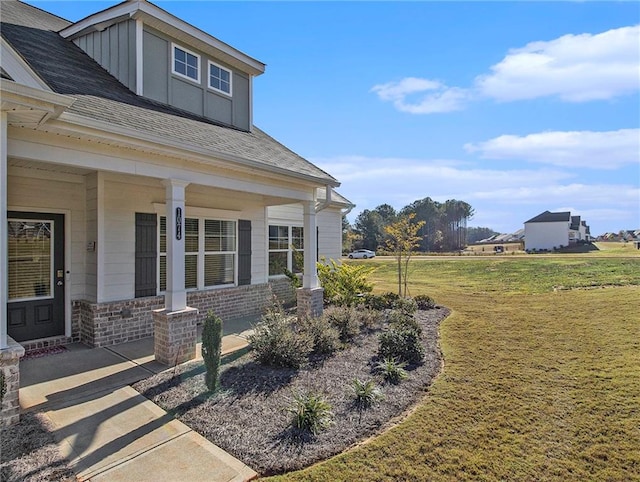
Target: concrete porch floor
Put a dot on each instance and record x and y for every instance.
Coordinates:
(107, 430)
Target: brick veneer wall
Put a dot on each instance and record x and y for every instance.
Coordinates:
(104, 324)
(10, 366)
(281, 287)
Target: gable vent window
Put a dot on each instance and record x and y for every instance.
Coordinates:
(219, 78)
(186, 64)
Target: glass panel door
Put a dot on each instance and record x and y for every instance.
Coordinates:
(30, 250)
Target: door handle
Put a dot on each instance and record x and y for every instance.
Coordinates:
(60, 283)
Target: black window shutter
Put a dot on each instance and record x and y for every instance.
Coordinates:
(244, 252)
(146, 254)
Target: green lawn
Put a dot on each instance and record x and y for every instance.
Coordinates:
(541, 378)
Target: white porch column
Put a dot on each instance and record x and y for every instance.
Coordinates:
(310, 276)
(4, 255)
(176, 295)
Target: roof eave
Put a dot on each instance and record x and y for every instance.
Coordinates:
(133, 139)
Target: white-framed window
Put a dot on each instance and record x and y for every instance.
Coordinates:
(210, 256)
(185, 63)
(219, 78)
(286, 249)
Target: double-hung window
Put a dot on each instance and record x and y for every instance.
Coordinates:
(185, 63)
(210, 253)
(286, 249)
(219, 78)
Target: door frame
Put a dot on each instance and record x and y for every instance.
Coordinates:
(67, 255)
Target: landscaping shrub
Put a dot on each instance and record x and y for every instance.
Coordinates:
(311, 412)
(276, 341)
(424, 302)
(392, 370)
(381, 302)
(294, 279)
(366, 393)
(345, 320)
(407, 306)
(399, 319)
(211, 349)
(344, 284)
(401, 343)
(369, 319)
(326, 337)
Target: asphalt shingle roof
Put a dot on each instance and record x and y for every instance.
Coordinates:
(549, 217)
(66, 69)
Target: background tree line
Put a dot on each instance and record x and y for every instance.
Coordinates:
(443, 226)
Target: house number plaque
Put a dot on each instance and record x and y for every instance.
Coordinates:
(178, 224)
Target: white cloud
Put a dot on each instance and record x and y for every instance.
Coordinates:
(576, 68)
(432, 96)
(582, 149)
(503, 198)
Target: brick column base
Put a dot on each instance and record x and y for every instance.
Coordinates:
(10, 366)
(310, 302)
(175, 335)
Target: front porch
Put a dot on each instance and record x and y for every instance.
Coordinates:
(105, 429)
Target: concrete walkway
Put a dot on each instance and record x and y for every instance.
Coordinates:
(107, 430)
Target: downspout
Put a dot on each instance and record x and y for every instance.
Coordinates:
(327, 200)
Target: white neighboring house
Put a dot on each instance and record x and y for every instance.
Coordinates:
(547, 231)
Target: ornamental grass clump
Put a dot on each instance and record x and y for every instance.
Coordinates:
(311, 412)
(392, 370)
(366, 393)
(211, 349)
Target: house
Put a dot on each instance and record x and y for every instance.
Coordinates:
(136, 191)
(548, 231)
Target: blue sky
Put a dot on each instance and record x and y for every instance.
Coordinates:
(513, 107)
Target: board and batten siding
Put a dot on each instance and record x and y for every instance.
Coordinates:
(115, 50)
(161, 85)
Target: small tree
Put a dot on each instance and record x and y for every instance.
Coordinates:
(211, 349)
(402, 240)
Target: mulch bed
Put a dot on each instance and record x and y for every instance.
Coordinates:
(28, 452)
(248, 417)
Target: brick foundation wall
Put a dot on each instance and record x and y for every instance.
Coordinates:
(105, 324)
(10, 366)
(281, 287)
(231, 303)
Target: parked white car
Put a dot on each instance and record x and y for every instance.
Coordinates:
(362, 253)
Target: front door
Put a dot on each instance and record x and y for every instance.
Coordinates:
(35, 307)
